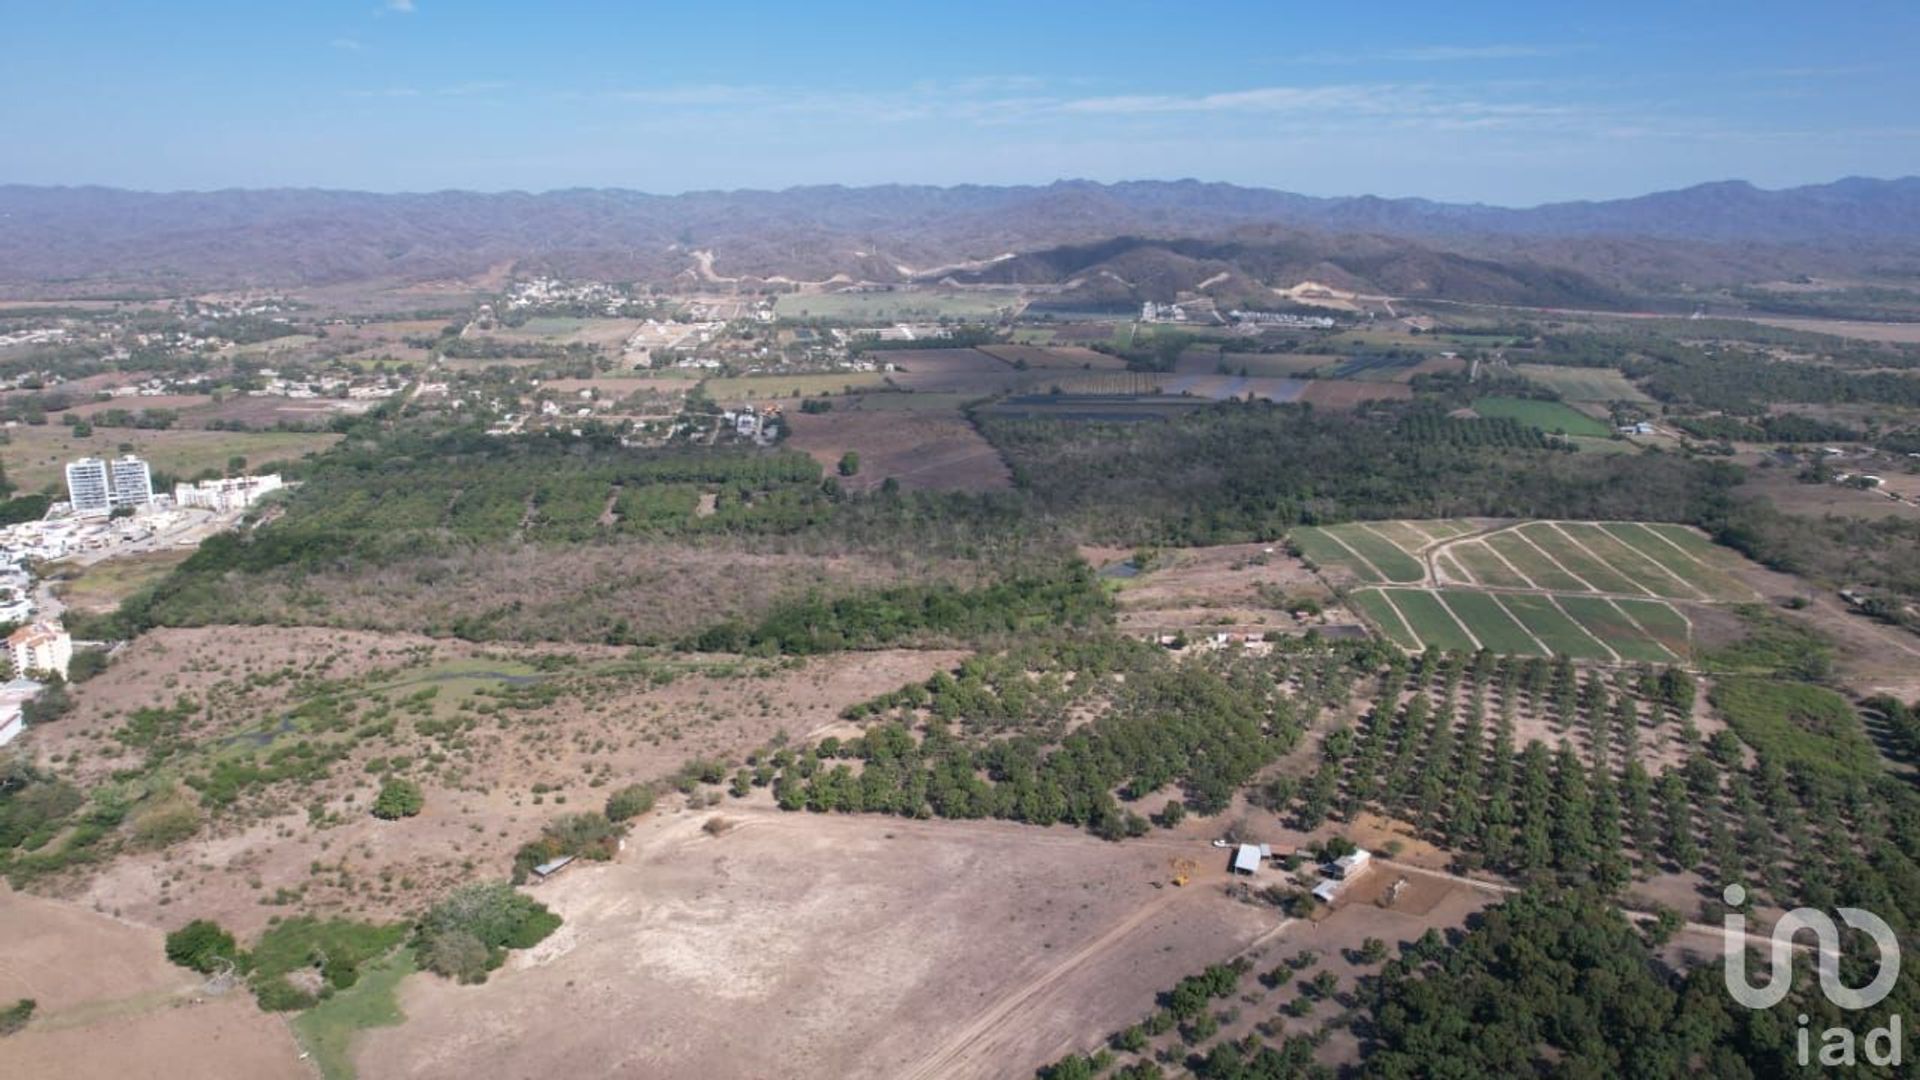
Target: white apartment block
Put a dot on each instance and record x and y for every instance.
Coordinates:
(132, 482)
(42, 647)
(234, 493)
(87, 486)
(98, 487)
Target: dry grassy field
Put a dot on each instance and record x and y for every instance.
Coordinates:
(36, 457)
(489, 786)
(102, 586)
(1229, 587)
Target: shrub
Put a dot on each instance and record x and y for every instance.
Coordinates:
(589, 835)
(85, 664)
(398, 799)
(278, 995)
(629, 802)
(202, 946)
(166, 821)
(489, 915)
(15, 1016)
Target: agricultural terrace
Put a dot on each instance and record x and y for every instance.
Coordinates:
(1597, 591)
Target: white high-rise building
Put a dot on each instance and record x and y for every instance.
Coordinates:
(87, 486)
(132, 482)
(97, 487)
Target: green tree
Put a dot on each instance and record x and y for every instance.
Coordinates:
(398, 799)
(202, 946)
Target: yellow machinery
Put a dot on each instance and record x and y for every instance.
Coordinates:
(1183, 870)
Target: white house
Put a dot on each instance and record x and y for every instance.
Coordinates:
(14, 696)
(1348, 867)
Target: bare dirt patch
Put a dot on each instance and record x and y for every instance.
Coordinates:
(806, 946)
(111, 1006)
(922, 450)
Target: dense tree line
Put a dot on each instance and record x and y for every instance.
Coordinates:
(1781, 428)
(1068, 597)
(1238, 472)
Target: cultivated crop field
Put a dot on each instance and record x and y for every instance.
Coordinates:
(1348, 394)
(1600, 591)
(1551, 416)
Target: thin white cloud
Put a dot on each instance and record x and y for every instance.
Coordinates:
(404, 7)
(1435, 54)
(345, 44)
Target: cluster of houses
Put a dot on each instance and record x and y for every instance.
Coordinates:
(228, 494)
(1286, 320)
(761, 423)
(1337, 875)
(553, 292)
(357, 388)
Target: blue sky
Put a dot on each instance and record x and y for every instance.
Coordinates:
(1505, 103)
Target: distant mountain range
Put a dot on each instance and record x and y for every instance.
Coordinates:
(1168, 235)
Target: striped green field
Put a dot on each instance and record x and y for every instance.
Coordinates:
(1490, 622)
(1611, 624)
(1324, 551)
(1654, 577)
(1430, 619)
(1367, 555)
(1527, 624)
(1597, 591)
(1693, 557)
(1373, 605)
(1555, 629)
(1531, 561)
(1485, 567)
(1663, 622)
(1562, 549)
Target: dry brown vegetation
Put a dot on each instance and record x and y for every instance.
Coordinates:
(552, 593)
